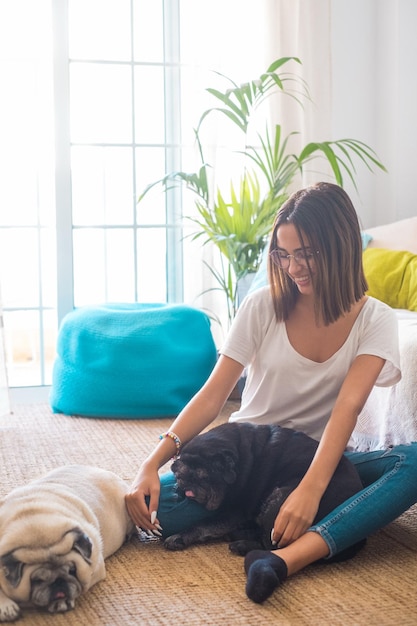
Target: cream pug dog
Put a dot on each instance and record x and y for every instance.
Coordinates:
(55, 533)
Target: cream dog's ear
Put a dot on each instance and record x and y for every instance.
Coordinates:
(12, 568)
(82, 544)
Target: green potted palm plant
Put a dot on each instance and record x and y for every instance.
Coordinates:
(238, 223)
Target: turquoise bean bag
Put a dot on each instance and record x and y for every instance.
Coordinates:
(131, 360)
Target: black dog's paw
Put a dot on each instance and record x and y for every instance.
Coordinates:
(243, 546)
(175, 542)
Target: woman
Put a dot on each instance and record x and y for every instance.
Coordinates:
(314, 345)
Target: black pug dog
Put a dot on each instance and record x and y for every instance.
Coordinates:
(246, 471)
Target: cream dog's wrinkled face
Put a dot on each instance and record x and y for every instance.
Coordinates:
(55, 534)
(51, 577)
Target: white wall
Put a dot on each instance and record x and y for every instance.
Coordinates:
(374, 97)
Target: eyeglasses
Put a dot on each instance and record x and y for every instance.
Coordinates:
(303, 258)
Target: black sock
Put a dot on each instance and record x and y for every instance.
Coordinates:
(265, 571)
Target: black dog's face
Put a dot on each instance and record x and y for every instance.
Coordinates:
(203, 475)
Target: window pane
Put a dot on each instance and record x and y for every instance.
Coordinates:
(99, 29)
(100, 103)
(26, 130)
(102, 186)
(152, 285)
(120, 268)
(103, 266)
(148, 30)
(18, 190)
(19, 279)
(150, 166)
(22, 335)
(149, 105)
(195, 99)
(25, 28)
(26, 151)
(25, 332)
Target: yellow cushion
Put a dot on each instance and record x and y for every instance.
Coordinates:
(392, 277)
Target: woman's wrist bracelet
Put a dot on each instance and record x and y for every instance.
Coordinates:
(171, 435)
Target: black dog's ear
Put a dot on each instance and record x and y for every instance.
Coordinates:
(82, 544)
(225, 464)
(12, 568)
(230, 474)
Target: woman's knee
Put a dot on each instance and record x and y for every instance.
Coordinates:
(407, 454)
(176, 513)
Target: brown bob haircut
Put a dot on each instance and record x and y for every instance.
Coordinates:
(326, 221)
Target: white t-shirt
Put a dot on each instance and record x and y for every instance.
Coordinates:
(285, 387)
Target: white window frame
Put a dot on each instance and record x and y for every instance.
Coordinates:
(172, 147)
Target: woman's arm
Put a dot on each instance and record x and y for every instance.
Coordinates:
(300, 508)
(202, 409)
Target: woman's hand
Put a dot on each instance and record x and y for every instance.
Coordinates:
(143, 498)
(146, 486)
(295, 516)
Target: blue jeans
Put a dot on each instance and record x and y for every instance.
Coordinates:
(390, 488)
(177, 513)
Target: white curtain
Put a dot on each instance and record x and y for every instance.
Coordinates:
(302, 28)
(240, 39)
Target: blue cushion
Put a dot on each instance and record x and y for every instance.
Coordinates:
(131, 360)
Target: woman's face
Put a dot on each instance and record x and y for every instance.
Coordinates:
(291, 256)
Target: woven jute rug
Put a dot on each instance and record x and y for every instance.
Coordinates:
(147, 585)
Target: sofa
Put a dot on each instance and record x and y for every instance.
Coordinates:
(390, 261)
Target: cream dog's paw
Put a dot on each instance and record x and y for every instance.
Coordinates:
(9, 610)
